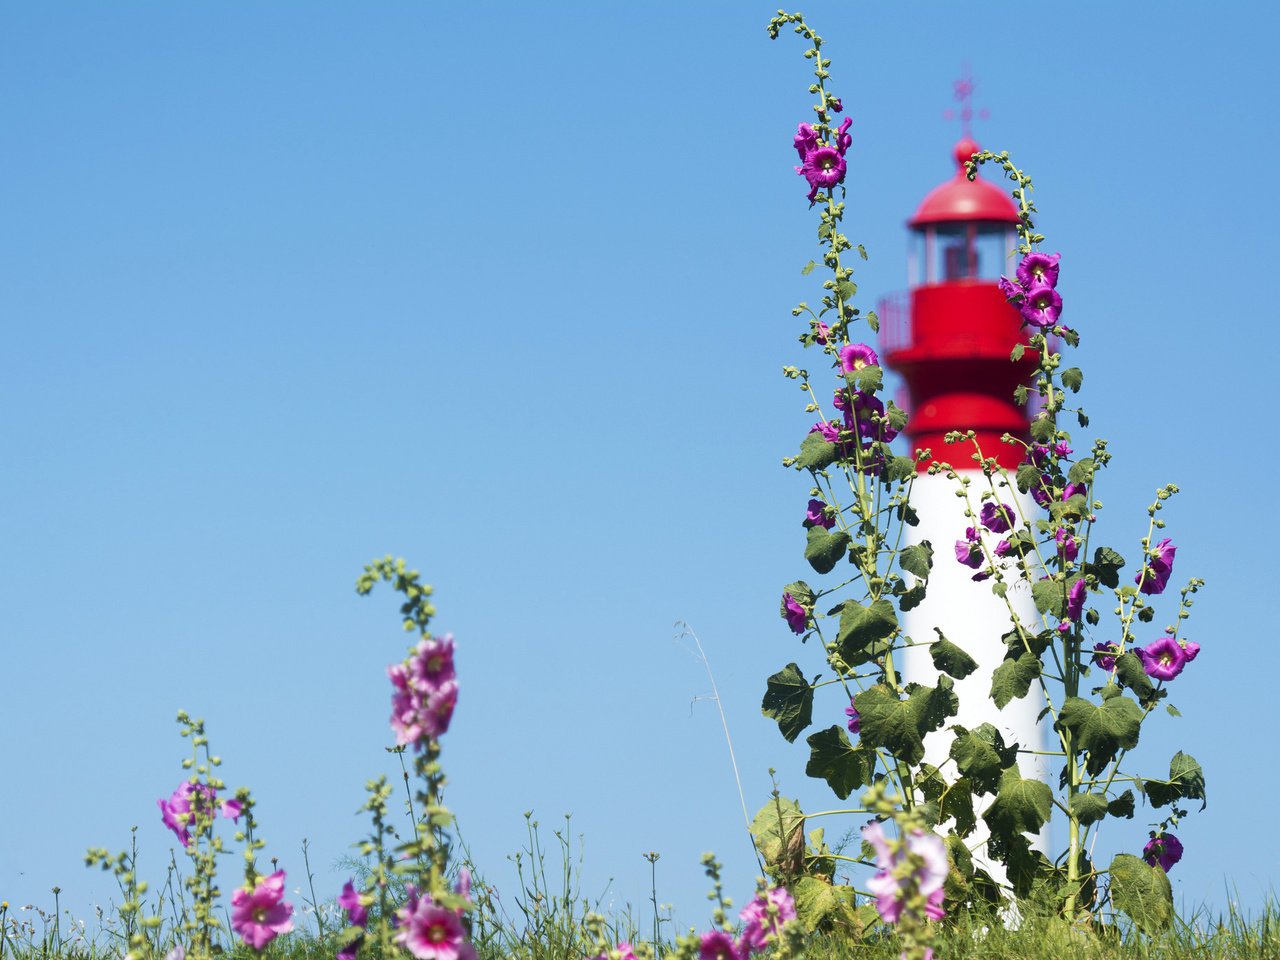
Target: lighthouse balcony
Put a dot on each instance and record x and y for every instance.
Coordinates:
(968, 318)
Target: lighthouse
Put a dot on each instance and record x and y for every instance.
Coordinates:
(950, 337)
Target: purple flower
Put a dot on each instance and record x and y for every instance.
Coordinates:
(857, 356)
(178, 814)
(996, 517)
(887, 888)
(353, 903)
(967, 550)
(836, 104)
(1042, 306)
(231, 809)
(1068, 545)
(1192, 650)
(1105, 655)
(1039, 269)
(830, 431)
(1165, 850)
(260, 915)
(1154, 577)
(821, 332)
(1072, 489)
(718, 945)
(797, 616)
(351, 950)
(1162, 659)
(1075, 599)
(843, 140)
(867, 417)
(758, 927)
(806, 140)
(855, 721)
(823, 167)
(1062, 449)
(430, 932)
(816, 516)
(1002, 548)
(1011, 290)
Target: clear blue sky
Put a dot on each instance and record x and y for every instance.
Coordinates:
(289, 286)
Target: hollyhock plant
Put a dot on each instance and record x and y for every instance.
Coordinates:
(625, 952)
(1163, 659)
(823, 167)
(1068, 545)
(260, 915)
(806, 139)
(1155, 576)
(352, 902)
(821, 332)
(1105, 655)
(816, 515)
(1042, 306)
(431, 932)
(968, 551)
(718, 945)
(888, 888)
(796, 615)
(996, 517)
(1075, 599)
(1165, 850)
(855, 720)
(857, 356)
(758, 926)
(1038, 269)
(432, 662)
(1002, 548)
(176, 812)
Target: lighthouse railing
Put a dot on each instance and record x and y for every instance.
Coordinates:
(894, 311)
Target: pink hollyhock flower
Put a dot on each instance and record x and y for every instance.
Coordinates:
(823, 167)
(1165, 850)
(1162, 659)
(1002, 548)
(1068, 545)
(232, 809)
(625, 952)
(816, 515)
(929, 877)
(806, 140)
(1075, 599)
(1190, 649)
(933, 908)
(830, 431)
(796, 615)
(836, 104)
(1011, 290)
(718, 945)
(855, 720)
(350, 951)
(758, 927)
(1042, 307)
(996, 517)
(260, 915)
(1062, 449)
(857, 356)
(843, 140)
(821, 332)
(439, 709)
(351, 901)
(1155, 576)
(1105, 655)
(430, 932)
(431, 663)
(1071, 490)
(967, 550)
(1039, 269)
(177, 812)
(867, 417)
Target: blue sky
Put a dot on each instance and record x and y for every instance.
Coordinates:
(291, 286)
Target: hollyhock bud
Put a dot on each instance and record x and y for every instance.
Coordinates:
(821, 332)
(836, 104)
(1075, 599)
(843, 140)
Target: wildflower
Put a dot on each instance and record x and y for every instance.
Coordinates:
(857, 356)
(1071, 490)
(177, 814)
(830, 432)
(1163, 659)
(843, 140)
(821, 332)
(1154, 577)
(1105, 655)
(1075, 599)
(855, 721)
(796, 615)
(1002, 548)
(806, 139)
(1165, 850)
(232, 809)
(967, 550)
(353, 903)
(624, 951)
(1068, 545)
(1190, 649)
(349, 952)
(996, 517)
(1062, 449)
(1042, 306)
(430, 932)
(836, 104)
(816, 516)
(1011, 290)
(888, 888)
(1039, 269)
(431, 662)
(260, 915)
(757, 922)
(718, 945)
(867, 417)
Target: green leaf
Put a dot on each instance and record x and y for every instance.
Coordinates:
(816, 453)
(779, 832)
(1020, 806)
(981, 755)
(917, 559)
(801, 591)
(1082, 418)
(1082, 471)
(1106, 566)
(869, 379)
(1012, 679)
(1131, 673)
(1027, 478)
(912, 598)
(1025, 867)
(846, 290)
(1122, 806)
(834, 759)
(823, 907)
(865, 630)
(1072, 378)
(825, 549)
(1186, 780)
(900, 725)
(1173, 711)
(862, 251)
(950, 659)
(1088, 807)
(1102, 731)
(873, 321)
(788, 699)
(1072, 507)
(807, 269)
(1050, 597)
(1042, 429)
(1017, 352)
(1142, 892)
(901, 469)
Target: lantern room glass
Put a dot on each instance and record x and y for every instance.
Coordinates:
(964, 250)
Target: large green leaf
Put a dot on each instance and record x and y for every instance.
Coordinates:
(1131, 673)
(834, 759)
(953, 800)
(1012, 679)
(789, 700)
(816, 453)
(981, 755)
(1020, 806)
(1186, 780)
(865, 630)
(950, 659)
(1106, 566)
(825, 549)
(1122, 806)
(823, 907)
(1142, 892)
(1088, 807)
(1102, 731)
(778, 829)
(1050, 597)
(917, 559)
(900, 725)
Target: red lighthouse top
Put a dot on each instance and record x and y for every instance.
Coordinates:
(962, 199)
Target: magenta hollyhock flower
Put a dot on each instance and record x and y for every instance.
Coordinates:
(431, 663)
(439, 709)
(796, 615)
(1190, 649)
(1155, 576)
(718, 945)
(836, 104)
(816, 516)
(996, 517)
(351, 901)
(855, 721)
(1039, 269)
(1165, 850)
(1042, 307)
(350, 951)
(806, 139)
(178, 814)
(967, 550)
(1012, 291)
(260, 915)
(1071, 490)
(1075, 599)
(830, 431)
(843, 140)
(1068, 545)
(430, 932)
(823, 167)
(888, 889)
(1105, 655)
(1162, 659)
(821, 332)
(857, 356)
(232, 809)
(1002, 548)
(1037, 454)
(1062, 449)
(758, 927)
(933, 908)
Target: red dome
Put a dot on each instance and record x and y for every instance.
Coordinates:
(960, 199)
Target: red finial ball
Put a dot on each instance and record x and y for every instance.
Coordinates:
(965, 150)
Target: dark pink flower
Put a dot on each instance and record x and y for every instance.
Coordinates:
(1165, 850)
(1002, 548)
(857, 356)
(1012, 291)
(889, 890)
(867, 416)
(996, 517)
(232, 809)
(717, 945)
(1073, 489)
(1042, 306)
(933, 908)
(759, 928)
(1105, 655)
(178, 811)
(806, 139)
(1155, 576)
(431, 663)
(1163, 658)
(823, 167)
(855, 721)
(796, 616)
(1062, 449)
(1075, 599)
(836, 104)
(843, 140)
(351, 950)
(821, 332)
(1039, 269)
(260, 915)
(1192, 650)
(430, 932)
(351, 901)
(816, 516)
(968, 551)
(830, 431)
(1068, 545)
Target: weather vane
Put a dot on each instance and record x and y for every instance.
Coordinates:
(963, 94)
